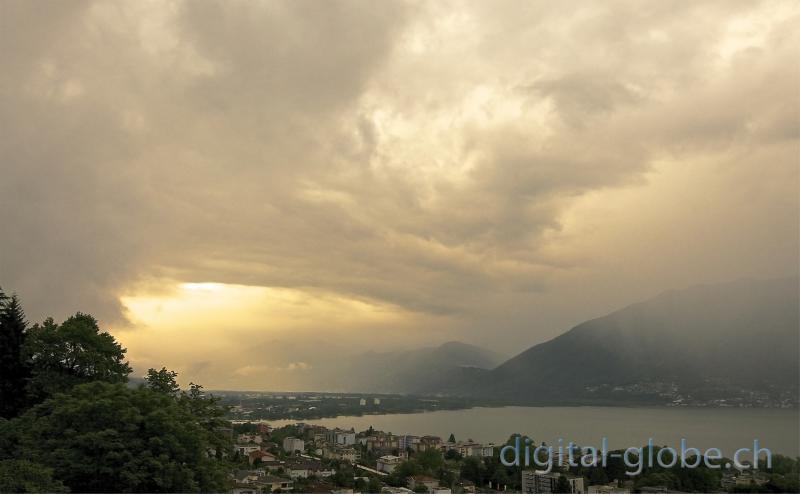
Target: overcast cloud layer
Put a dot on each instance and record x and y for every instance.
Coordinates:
(353, 174)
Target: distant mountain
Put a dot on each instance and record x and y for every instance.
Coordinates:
(733, 341)
(411, 370)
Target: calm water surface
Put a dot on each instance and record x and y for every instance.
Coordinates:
(726, 428)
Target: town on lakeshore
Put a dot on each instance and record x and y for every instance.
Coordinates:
(303, 457)
(312, 405)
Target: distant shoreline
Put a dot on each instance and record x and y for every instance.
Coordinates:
(424, 404)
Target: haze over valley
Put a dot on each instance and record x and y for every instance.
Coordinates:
(242, 194)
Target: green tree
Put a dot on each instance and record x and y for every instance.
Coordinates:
(205, 409)
(344, 476)
(446, 477)
(102, 437)
(374, 485)
(14, 370)
(472, 469)
(72, 353)
(163, 381)
(452, 438)
(208, 414)
(24, 476)
(408, 469)
(430, 460)
(452, 454)
(597, 476)
(562, 485)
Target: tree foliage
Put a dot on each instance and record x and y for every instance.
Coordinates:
(84, 429)
(14, 370)
(103, 437)
(162, 381)
(430, 460)
(71, 353)
(24, 476)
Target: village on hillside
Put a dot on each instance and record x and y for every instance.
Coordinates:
(311, 458)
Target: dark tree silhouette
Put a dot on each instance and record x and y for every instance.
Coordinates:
(163, 381)
(14, 372)
(72, 353)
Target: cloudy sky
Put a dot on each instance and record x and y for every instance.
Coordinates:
(241, 189)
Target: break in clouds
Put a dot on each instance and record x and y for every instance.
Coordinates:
(387, 173)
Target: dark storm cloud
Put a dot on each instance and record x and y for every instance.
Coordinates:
(423, 156)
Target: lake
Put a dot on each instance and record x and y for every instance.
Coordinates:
(726, 428)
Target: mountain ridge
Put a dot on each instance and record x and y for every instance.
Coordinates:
(710, 342)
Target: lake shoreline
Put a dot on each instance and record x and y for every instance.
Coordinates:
(726, 428)
(433, 410)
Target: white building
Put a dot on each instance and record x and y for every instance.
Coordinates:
(407, 442)
(339, 437)
(420, 481)
(472, 449)
(538, 482)
(245, 449)
(388, 463)
(292, 444)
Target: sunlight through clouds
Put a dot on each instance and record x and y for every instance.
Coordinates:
(237, 184)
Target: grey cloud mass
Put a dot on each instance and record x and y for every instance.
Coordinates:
(504, 169)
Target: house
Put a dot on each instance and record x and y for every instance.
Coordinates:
(418, 481)
(431, 441)
(339, 437)
(292, 444)
(272, 465)
(396, 490)
(276, 483)
(610, 488)
(408, 442)
(261, 456)
(263, 428)
(305, 468)
(246, 476)
(474, 449)
(380, 441)
(467, 486)
(388, 463)
(296, 470)
(536, 482)
(239, 488)
(256, 481)
(245, 449)
(338, 453)
(249, 438)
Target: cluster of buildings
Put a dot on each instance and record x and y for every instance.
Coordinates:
(729, 394)
(394, 449)
(279, 461)
(537, 482)
(259, 481)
